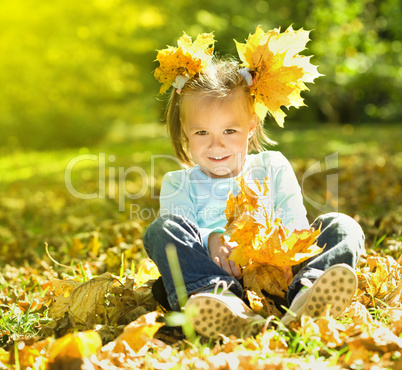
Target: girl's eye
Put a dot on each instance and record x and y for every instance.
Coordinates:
(230, 131)
(201, 133)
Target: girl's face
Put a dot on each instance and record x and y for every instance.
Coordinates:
(218, 133)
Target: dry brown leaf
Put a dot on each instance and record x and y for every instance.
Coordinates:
(259, 277)
(359, 314)
(394, 298)
(59, 307)
(263, 306)
(395, 319)
(332, 333)
(34, 305)
(380, 281)
(385, 275)
(59, 288)
(87, 300)
(128, 304)
(381, 340)
(100, 302)
(84, 307)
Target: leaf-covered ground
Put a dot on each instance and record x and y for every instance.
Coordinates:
(77, 304)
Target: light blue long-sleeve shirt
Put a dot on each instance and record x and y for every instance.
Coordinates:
(202, 199)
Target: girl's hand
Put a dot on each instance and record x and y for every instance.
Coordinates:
(220, 252)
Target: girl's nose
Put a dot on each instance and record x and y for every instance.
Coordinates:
(216, 141)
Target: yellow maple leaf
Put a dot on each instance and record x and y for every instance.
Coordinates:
(33, 356)
(278, 247)
(146, 270)
(4, 356)
(265, 250)
(279, 71)
(273, 244)
(188, 59)
(247, 200)
(75, 346)
(139, 332)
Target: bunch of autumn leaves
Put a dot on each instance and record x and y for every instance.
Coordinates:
(279, 72)
(266, 250)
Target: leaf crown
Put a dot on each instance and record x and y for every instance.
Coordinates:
(271, 65)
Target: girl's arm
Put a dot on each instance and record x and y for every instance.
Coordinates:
(175, 199)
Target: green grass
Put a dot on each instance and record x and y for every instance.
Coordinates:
(25, 324)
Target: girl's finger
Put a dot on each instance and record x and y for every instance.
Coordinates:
(236, 271)
(217, 260)
(225, 265)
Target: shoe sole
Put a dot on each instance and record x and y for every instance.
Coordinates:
(211, 317)
(336, 286)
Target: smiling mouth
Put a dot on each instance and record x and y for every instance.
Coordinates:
(218, 158)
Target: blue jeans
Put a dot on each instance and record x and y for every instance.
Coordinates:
(341, 236)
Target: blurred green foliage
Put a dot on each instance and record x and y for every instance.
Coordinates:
(69, 70)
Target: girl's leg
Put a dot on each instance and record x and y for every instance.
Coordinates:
(343, 242)
(199, 271)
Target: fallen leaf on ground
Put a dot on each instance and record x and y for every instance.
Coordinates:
(85, 304)
(68, 351)
(59, 288)
(146, 270)
(380, 340)
(139, 332)
(4, 356)
(35, 355)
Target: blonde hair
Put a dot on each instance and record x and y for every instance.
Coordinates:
(219, 80)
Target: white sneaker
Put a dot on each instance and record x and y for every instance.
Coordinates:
(211, 314)
(336, 286)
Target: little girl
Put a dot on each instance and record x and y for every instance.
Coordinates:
(213, 125)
